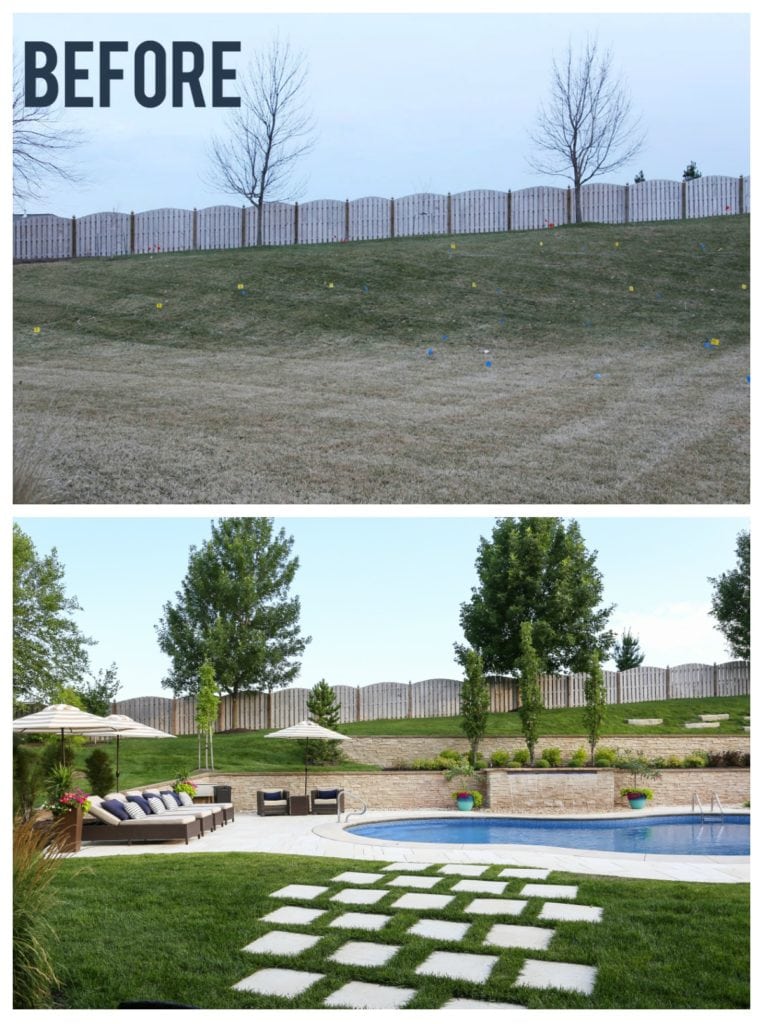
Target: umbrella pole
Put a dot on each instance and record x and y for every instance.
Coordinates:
(306, 745)
(117, 771)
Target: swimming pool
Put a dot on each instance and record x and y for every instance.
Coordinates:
(666, 834)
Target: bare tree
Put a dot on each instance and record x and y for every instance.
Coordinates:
(267, 134)
(40, 145)
(586, 129)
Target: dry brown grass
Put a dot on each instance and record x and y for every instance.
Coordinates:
(300, 394)
(390, 425)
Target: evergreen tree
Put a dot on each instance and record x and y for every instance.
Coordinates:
(639, 178)
(595, 703)
(324, 709)
(531, 700)
(691, 172)
(627, 652)
(475, 704)
(234, 611)
(100, 772)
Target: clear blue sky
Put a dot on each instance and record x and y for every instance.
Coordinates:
(381, 596)
(407, 102)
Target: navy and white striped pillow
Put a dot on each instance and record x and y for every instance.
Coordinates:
(156, 805)
(134, 810)
(185, 800)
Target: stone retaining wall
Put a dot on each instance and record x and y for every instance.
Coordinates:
(390, 751)
(526, 790)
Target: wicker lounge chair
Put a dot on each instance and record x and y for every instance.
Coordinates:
(326, 801)
(272, 801)
(99, 825)
(204, 815)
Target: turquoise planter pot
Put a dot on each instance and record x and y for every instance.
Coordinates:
(637, 802)
(466, 804)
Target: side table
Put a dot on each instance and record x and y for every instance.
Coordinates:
(299, 805)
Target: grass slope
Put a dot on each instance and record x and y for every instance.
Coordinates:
(174, 927)
(146, 761)
(314, 382)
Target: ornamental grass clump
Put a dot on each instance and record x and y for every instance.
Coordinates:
(34, 977)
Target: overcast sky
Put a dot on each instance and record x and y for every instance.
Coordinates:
(381, 596)
(404, 103)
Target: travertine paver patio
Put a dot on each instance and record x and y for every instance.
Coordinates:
(464, 966)
(362, 995)
(548, 974)
(364, 954)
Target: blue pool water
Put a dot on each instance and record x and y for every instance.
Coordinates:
(676, 834)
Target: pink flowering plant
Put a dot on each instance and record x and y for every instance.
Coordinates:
(69, 801)
(183, 784)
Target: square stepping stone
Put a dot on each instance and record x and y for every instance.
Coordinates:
(500, 908)
(300, 892)
(414, 881)
(714, 718)
(282, 943)
(547, 974)
(358, 877)
(444, 931)
(467, 870)
(364, 954)
(359, 896)
(478, 1004)
(464, 966)
(361, 995)
(569, 912)
(421, 901)
(478, 885)
(277, 981)
(517, 936)
(524, 873)
(292, 915)
(369, 922)
(561, 892)
(405, 866)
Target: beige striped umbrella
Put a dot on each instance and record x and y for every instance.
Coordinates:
(124, 726)
(62, 718)
(305, 730)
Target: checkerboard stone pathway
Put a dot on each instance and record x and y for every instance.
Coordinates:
(476, 968)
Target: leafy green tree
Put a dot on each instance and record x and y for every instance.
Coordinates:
(234, 611)
(207, 705)
(475, 704)
(530, 697)
(627, 652)
(536, 570)
(49, 649)
(691, 172)
(98, 693)
(731, 600)
(325, 709)
(595, 691)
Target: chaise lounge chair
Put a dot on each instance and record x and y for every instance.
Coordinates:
(272, 801)
(326, 801)
(101, 825)
(135, 805)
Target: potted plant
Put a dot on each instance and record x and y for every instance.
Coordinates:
(67, 804)
(466, 799)
(640, 768)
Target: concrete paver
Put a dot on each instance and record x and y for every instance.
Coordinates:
(364, 954)
(282, 943)
(292, 915)
(547, 974)
(278, 981)
(569, 912)
(362, 995)
(422, 901)
(359, 896)
(464, 966)
(443, 931)
(513, 936)
(370, 922)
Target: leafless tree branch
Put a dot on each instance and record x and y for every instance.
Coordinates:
(267, 134)
(586, 129)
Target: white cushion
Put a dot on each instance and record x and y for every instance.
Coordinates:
(185, 800)
(134, 810)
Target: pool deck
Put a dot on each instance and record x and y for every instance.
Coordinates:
(323, 836)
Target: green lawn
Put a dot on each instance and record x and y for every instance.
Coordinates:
(144, 761)
(600, 389)
(166, 927)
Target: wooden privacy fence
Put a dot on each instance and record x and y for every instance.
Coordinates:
(49, 237)
(432, 698)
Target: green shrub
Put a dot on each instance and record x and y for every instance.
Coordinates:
(450, 755)
(521, 756)
(542, 762)
(500, 758)
(696, 760)
(100, 772)
(423, 764)
(579, 758)
(515, 764)
(673, 761)
(553, 755)
(606, 757)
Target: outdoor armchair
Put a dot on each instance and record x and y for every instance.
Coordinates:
(272, 801)
(326, 801)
